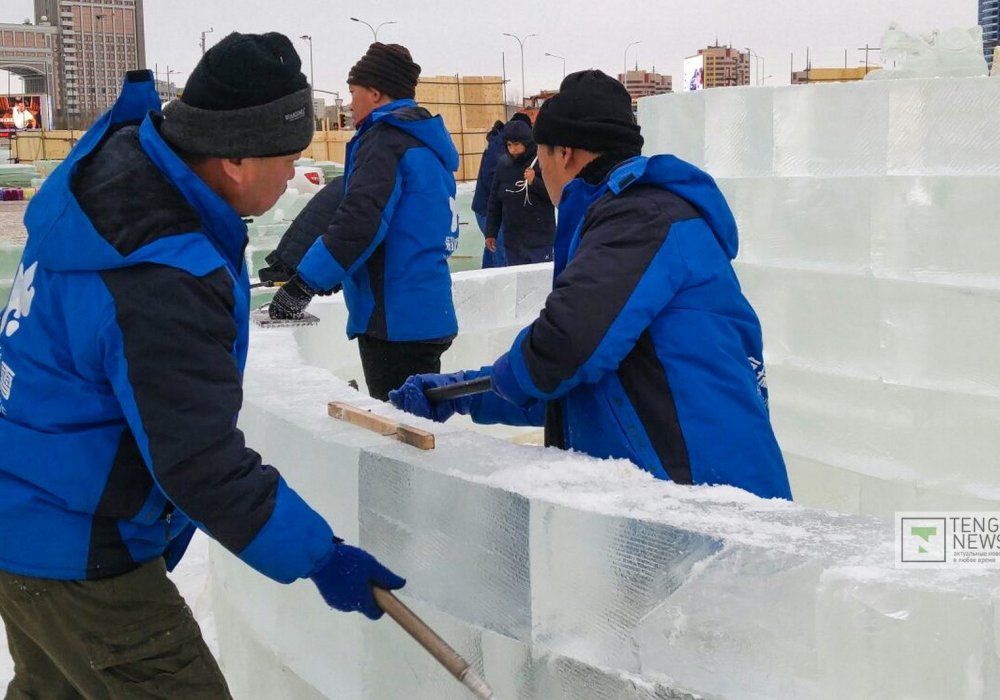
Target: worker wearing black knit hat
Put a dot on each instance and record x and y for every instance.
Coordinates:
(139, 366)
(591, 111)
(388, 242)
(646, 349)
(247, 97)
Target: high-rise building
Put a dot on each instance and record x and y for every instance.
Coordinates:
(717, 66)
(989, 20)
(99, 41)
(642, 83)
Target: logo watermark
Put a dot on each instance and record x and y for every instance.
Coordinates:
(952, 540)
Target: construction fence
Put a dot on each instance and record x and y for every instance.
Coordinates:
(469, 105)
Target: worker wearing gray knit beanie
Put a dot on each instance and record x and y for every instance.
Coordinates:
(247, 97)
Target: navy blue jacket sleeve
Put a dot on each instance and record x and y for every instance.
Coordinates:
(494, 209)
(361, 220)
(625, 271)
(537, 188)
(168, 351)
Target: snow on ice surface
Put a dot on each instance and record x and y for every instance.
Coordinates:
(868, 257)
(549, 567)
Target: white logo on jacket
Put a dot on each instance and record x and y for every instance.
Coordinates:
(451, 242)
(6, 380)
(21, 296)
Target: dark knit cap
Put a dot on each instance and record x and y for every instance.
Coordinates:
(247, 97)
(388, 68)
(592, 111)
(517, 130)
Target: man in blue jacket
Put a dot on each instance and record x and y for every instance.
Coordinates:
(646, 349)
(122, 349)
(388, 241)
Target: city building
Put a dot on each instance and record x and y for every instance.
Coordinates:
(98, 42)
(831, 75)
(716, 66)
(642, 83)
(989, 20)
(29, 51)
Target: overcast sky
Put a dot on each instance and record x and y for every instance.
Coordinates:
(466, 36)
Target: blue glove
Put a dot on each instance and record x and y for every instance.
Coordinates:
(504, 383)
(411, 397)
(345, 578)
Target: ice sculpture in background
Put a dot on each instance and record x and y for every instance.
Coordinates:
(955, 53)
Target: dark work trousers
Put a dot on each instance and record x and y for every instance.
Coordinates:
(528, 256)
(128, 636)
(388, 363)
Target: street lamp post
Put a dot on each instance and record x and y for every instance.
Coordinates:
(520, 43)
(625, 61)
(310, 40)
(170, 93)
(207, 31)
(552, 55)
(756, 57)
(374, 29)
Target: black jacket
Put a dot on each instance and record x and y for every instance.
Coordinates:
(527, 222)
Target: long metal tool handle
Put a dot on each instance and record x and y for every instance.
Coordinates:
(458, 389)
(429, 640)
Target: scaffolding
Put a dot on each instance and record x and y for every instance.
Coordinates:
(469, 106)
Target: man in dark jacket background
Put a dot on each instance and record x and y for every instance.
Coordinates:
(387, 243)
(519, 204)
(484, 181)
(646, 349)
(123, 345)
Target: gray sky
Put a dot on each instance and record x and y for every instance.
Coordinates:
(466, 36)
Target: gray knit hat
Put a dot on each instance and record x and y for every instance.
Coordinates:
(246, 98)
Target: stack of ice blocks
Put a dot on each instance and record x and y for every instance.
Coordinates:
(867, 216)
(561, 576)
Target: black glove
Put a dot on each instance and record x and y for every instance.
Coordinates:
(291, 300)
(276, 272)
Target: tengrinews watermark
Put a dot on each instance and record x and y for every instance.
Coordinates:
(948, 539)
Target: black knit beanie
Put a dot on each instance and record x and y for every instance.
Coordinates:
(592, 111)
(247, 97)
(388, 68)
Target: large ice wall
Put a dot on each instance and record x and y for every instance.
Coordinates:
(868, 219)
(562, 576)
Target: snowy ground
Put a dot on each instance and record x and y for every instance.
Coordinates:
(191, 578)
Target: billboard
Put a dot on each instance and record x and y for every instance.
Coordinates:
(694, 73)
(21, 112)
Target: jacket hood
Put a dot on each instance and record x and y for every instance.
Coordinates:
(131, 201)
(407, 116)
(690, 184)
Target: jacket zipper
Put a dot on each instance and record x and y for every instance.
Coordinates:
(169, 516)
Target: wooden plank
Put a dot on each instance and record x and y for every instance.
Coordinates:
(362, 418)
(415, 436)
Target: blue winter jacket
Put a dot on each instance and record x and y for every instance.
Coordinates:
(646, 348)
(392, 234)
(122, 349)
